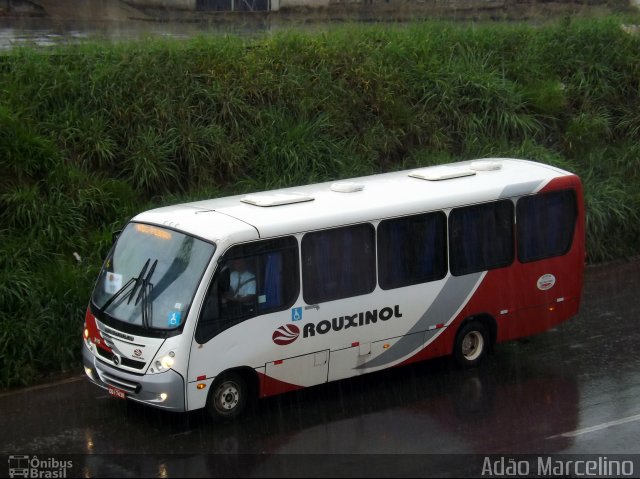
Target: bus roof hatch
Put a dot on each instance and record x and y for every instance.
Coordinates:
(276, 199)
(441, 173)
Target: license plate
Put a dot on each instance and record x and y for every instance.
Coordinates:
(119, 393)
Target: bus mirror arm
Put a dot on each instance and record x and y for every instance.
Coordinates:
(115, 235)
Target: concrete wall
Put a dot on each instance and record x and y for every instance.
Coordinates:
(172, 4)
(306, 3)
(192, 5)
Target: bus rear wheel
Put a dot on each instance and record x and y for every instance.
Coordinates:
(228, 397)
(472, 344)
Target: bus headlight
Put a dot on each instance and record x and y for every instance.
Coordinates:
(165, 362)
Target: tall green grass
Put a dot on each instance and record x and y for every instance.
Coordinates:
(92, 133)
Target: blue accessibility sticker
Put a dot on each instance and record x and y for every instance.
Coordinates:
(174, 318)
(296, 314)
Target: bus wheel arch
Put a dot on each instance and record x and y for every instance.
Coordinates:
(231, 393)
(474, 339)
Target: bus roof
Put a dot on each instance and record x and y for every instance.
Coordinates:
(324, 205)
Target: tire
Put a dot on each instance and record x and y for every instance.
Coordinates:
(228, 397)
(472, 344)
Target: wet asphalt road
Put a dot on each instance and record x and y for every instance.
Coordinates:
(572, 390)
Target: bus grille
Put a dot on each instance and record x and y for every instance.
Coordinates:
(120, 383)
(130, 363)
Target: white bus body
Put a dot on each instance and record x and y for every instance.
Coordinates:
(349, 278)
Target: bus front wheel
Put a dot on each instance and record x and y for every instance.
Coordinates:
(472, 344)
(228, 397)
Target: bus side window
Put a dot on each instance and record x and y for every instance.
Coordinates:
(481, 237)
(546, 223)
(338, 263)
(209, 321)
(252, 279)
(412, 250)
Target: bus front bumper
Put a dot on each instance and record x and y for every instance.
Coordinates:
(164, 390)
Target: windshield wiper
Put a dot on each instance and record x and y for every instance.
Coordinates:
(145, 282)
(143, 287)
(117, 295)
(122, 290)
(138, 280)
(147, 306)
(145, 291)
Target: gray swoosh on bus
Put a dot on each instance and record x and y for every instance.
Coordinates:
(455, 290)
(450, 299)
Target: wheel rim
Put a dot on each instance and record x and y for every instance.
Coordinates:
(227, 397)
(472, 345)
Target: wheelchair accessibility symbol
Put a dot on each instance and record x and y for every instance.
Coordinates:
(296, 314)
(174, 318)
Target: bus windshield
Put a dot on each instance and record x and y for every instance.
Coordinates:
(150, 276)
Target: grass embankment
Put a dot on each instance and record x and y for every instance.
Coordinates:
(91, 134)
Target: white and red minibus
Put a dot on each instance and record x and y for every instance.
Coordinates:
(214, 303)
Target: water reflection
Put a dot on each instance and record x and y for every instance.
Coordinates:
(416, 410)
(425, 417)
(38, 32)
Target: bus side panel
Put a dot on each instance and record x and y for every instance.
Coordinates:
(512, 295)
(441, 346)
(514, 319)
(536, 320)
(270, 386)
(529, 298)
(539, 307)
(516, 296)
(306, 370)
